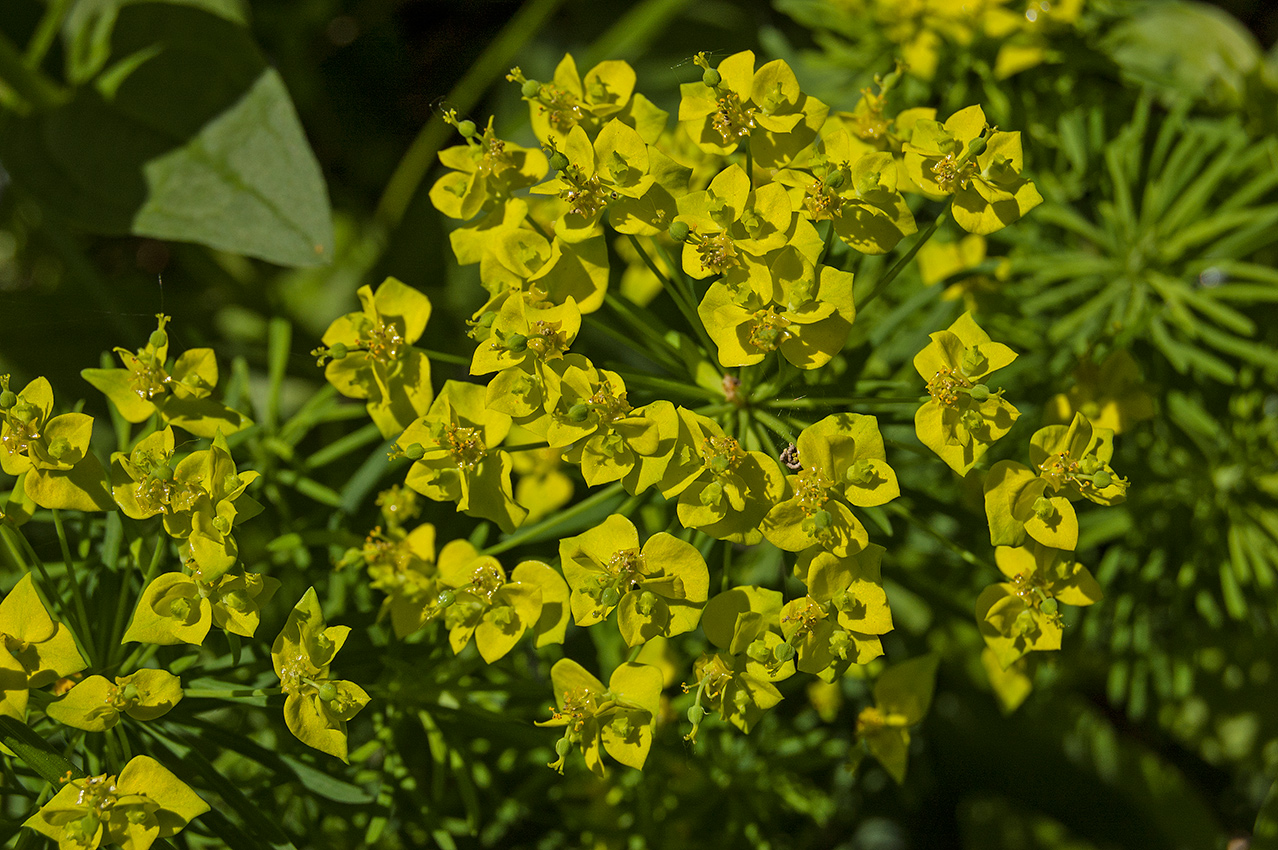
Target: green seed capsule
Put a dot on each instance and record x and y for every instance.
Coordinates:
(980, 392)
(610, 597)
(558, 161)
(579, 412)
(414, 451)
(517, 343)
(8, 399)
(328, 692)
(758, 651)
(696, 714)
(445, 599)
(338, 351)
(834, 179)
(783, 652)
(1049, 606)
(563, 747)
(466, 128)
(679, 231)
(158, 339)
(530, 88)
(711, 77)
(1102, 479)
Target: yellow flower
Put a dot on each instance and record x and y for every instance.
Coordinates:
(34, 649)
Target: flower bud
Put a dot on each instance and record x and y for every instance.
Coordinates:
(129, 692)
(1089, 464)
(338, 351)
(758, 651)
(860, 473)
(503, 615)
(466, 128)
(973, 361)
(783, 652)
(980, 392)
(647, 601)
(971, 420)
(712, 495)
(158, 339)
(1102, 479)
(610, 597)
(711, 77)
(1044, 509)
(328, 692)
(530, 88)
(558, 161)
(8, 399)
(679, 231)
(59, 448)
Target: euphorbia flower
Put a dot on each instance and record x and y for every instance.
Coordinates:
(371, 356)
(144, 803)
(34, 649)
(317, 706)
(618, 719)
(571, 100)
(486, 170)
(181, 394)
(963, 417)
(658, 589)
(95, 704)
(176, 608)
(902, 696)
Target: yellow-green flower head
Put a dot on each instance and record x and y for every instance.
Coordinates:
(316, 706)
(902, 696)
(34, 649)
(144, 803)
(182, 394)
(1067, 463)
(731, 224)
(96, 703)
(456, 459)
(52, 451)
(486, 170)
(523, 344)
(402, 565)
(1111, 395)
(723, 490)
(479, 601)
(856, 191)
(844, 464)
(609, 439)
(789, 305)
(570, 101)
(144, 484)
(963, 417)
(845, 612)
(764, 109)
(371, 355)
(176, 608)
(618, 719)
(1022, 615)
(658, 589)
(982, 172)
(745, 625)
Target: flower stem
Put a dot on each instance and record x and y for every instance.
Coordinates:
(899, 266)
(231, 693)
(774, 424)
(807, 402)
(563, 518)
(77, 592)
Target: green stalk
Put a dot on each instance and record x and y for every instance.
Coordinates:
(231, 693)
(968, 556)
(77, 592)
(46, 32)
(774, 424)
(369, 433)
(686, 301)
(115, 647)
(21, 559)
(655, 383)
(809, 402)
(465, 96)
(899, 265)
(29, 84)
(560, 519)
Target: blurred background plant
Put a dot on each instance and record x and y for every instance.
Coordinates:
(279, 157)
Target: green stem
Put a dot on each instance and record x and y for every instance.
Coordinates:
(46, 32)
(526, 447)
(774, 424)
(140, 655)
(560, 519)
(899, 266)
(231, 693)
(77, 592)
(29, 84)
(420, 156)
(22, 559)
(369, 433)
(685, 300)
(907, 515)
(634, 653)
(808, 402)
(658, 356)
(115, 647)
(455, 359)
(655, 383)
(647, 324)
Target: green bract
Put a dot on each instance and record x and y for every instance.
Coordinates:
(1070, 462)
(1021, 616)
(34, 648)
(844, 464)
(51, 452)
(177, 608)
(485, 171)
(459, 460)
(569, 101)
(658, 590)
(95, 704)
(315, 712)
(144, 803)
(846, 610)
(902, 696)
(963, 417)
(479, 601)
(618, 719)
(377, 359)
(181, 394)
